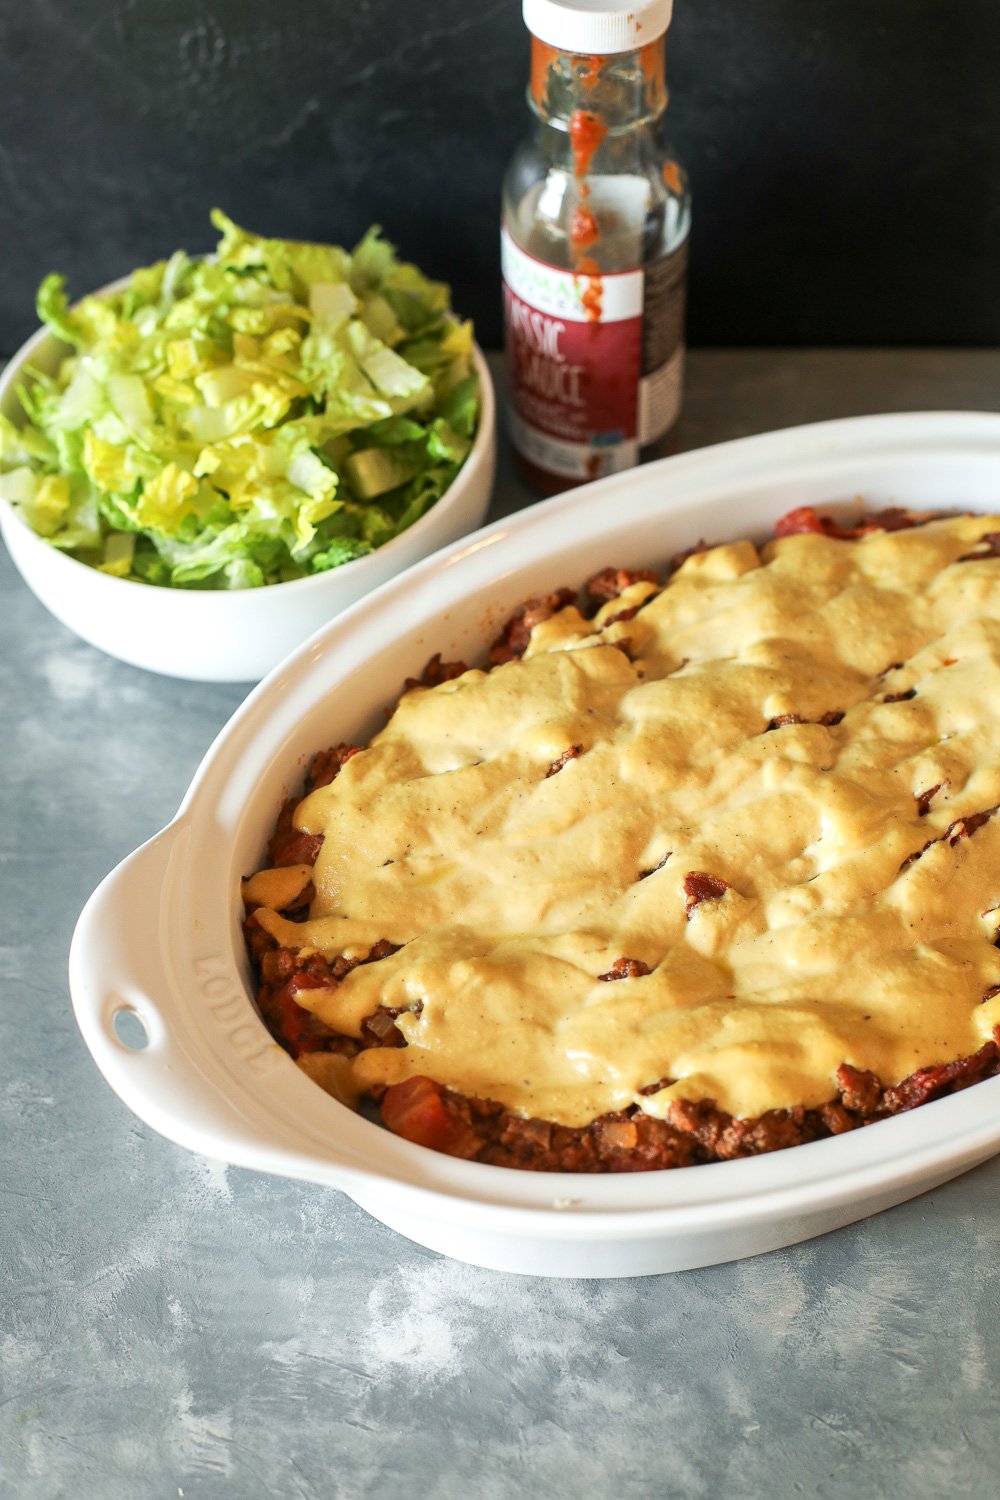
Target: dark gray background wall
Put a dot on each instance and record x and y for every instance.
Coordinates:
(845, 154)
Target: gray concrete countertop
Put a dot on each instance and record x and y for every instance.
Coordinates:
(172, 1328)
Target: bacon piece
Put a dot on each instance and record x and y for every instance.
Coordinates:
(573, 753)
(513, 640)
(326, 765)
(435, 672)
(609, 583)
(698, 887)
(625, 968)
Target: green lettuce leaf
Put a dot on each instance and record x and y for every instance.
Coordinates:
(201, 433)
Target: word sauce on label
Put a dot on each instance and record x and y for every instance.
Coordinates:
(584, 396)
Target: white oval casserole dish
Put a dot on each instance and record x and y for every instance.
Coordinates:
(161, 936)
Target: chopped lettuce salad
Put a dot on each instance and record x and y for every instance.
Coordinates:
(269, 414)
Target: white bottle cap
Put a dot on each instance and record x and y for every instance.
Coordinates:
(594, 26)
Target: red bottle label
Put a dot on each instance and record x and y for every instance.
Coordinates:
(581, 402)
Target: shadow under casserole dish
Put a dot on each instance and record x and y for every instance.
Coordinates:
(692, 870)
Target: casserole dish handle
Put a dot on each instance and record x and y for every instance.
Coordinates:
(121, 989)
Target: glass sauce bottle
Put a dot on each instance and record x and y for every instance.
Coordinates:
(596, 215)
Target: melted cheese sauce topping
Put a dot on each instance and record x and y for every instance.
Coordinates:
(511, 891)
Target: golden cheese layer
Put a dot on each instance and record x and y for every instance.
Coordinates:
(511, 891)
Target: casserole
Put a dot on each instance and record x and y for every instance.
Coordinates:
(156, 941)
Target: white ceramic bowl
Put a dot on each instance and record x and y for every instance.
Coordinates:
(231, 635)
(161, 936)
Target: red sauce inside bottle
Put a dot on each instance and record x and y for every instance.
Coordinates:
(583, 230)
(592, 295)
(586, 133)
